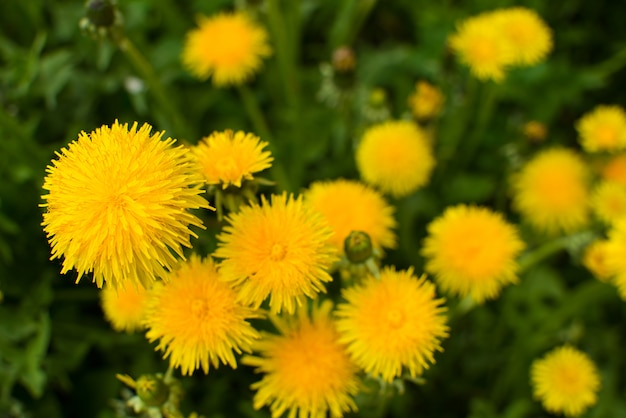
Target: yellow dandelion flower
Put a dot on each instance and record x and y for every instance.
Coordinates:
(535, 131)
(566, 381)
(527, 35)
(594, 259)
(197, 318)
(426, 101)
(479, 43)
(228, 157)
(124, 308)
(350, 206)
(608, 201)
(615, 170)
(603, 129)
(278, 249)
(306, 370)
(396, 157)
(472, 251)
(229, 47)
(392, 323)
(614, 255)
(118, 205)
(552, 191)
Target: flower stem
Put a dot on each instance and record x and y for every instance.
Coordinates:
(146, 71)
(489, 100)
(542, 252)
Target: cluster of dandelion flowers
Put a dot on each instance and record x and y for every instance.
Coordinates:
(392, 323)
(118, 205)
(306, 370)
(124, 308)
(479, 44)
(396, 157)
(527, 35)
(472, 251)
(229, 158)
(349, 205)
(552, 192)
(229, 47)
(603, 129)
(566, 381)
(197, 318)
(594, 260)
(426, 101)
(278, 249)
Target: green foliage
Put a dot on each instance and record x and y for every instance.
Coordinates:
(58, 357)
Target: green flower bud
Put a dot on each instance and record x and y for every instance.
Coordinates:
(101, 13)
(152, 390)
(358, 247)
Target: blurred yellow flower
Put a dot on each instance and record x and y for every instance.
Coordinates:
(426, 101)
(392, 323)
(349, 206)
(124, 308)
(594, 259)
(197, 319)
(306, 370)
(566, 381)
(396, 157)
(552, 191)
(608, 201)
(118, 205)
(228, 158)
(614, 255)
(527, 35)
(603, 129)
(615, 169)
(535, 131)
(472, 251)
(229, 47)
(479, 43)
(278, 249)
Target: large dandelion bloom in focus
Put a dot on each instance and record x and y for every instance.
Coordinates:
(278, 249)
(392, 323)
(396, 157)
(124, 308)
(229, 47)
(552, 191)
(306, 370)
(479, 43)
(603, 129)
(528, 38)
(197, 318)
(118, 205)
(228, 158)
(472, 252)
(565, 381)
(350, 206)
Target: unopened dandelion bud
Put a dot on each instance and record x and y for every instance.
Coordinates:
(358, 247)
(152, 390)
(344, 59)
(101, 13)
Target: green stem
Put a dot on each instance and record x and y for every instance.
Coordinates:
(284, 53)
(542, 252)
(146, 71)
(489, 100)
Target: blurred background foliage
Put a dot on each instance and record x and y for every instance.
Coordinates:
(58, 357)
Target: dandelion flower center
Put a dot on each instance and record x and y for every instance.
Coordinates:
(278, 252)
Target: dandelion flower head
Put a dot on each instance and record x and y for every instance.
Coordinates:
(603, 129)
(278, 249)
(197, 319)
(229, 47)
(124, 308)
(396, 157)
(527, 35)
(426, 101)
(472, 251)
(608, 201)
(552, 192)
(306, 370)
(118, 205)
(348, 206)
(228, 158)
(615, 169)
(594, 259)
(614, 255)
(392, 323)
(479, 43)
(566, 381)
